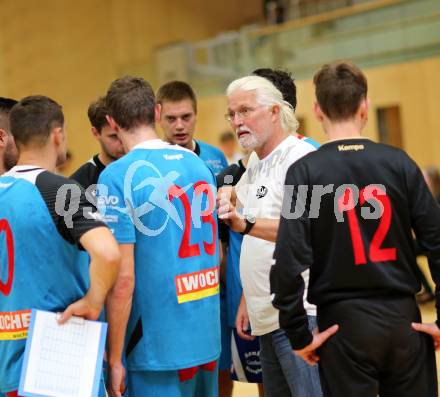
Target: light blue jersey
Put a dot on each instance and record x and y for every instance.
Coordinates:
(161, 198)
(40, 264)
(211, 156)
(233, 282)
(310, 141)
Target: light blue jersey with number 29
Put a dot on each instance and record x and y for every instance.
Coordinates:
(161, 198)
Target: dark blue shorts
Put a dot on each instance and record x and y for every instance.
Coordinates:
(246, 365)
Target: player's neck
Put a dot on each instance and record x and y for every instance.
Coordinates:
(138, 135)
(342, 130)
(40, 158)
(192, 145)
(104, 158)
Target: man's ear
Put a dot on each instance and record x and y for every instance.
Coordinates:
(95, 132)
(157, 112)
(112, 123)
(3, 138)
(363, 109)
(58, 135)
(275, 109)
(318, 112)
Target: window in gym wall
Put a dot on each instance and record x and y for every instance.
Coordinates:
(389, 126)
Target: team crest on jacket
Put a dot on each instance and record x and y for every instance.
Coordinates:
(261, 191)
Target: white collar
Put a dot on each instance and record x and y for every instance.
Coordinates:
(24, 167)
(152, 144)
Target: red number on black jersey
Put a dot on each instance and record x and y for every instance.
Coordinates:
(376, 253)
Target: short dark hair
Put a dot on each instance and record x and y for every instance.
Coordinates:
(97, 112)
(282, 80)
(130, 101)
(339, 88)
(227, 136)
(6, 105)
(33, 118)
(176, 91)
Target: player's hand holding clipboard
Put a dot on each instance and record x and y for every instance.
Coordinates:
(62, 360)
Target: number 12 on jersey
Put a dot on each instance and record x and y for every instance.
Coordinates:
(376, 252)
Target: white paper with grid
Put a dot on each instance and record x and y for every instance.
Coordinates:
(62, 358)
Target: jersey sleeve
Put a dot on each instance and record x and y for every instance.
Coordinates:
(223, 160)
(82, 176)
(292, 256)
(113, 207)
(425, 221)
(68, 206)
(297, 153)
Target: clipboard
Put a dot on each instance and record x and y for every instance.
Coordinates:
(62, 360)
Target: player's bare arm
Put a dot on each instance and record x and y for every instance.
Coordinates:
(242, 321)
(118, 307)
(104, 267)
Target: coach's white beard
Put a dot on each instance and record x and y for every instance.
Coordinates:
(251, 141)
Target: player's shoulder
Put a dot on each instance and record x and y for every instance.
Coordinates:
(150, 155)
(84, 168)
(117, 165)
(296, 148)
(207, 146)
(86, 174)
(51, 183)
(211, 149)
(39, 177)
(307, 141)
(388, 149)
(305, 152)
(375, 151)
(396, 157)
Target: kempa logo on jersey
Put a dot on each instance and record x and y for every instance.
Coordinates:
(347, 148)
(14, 325)
(197, 285)
(173, 156)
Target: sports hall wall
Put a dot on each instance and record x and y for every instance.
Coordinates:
(71, 51)
(413, 86)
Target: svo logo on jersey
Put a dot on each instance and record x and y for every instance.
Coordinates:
(261, 192)
(108, 200)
